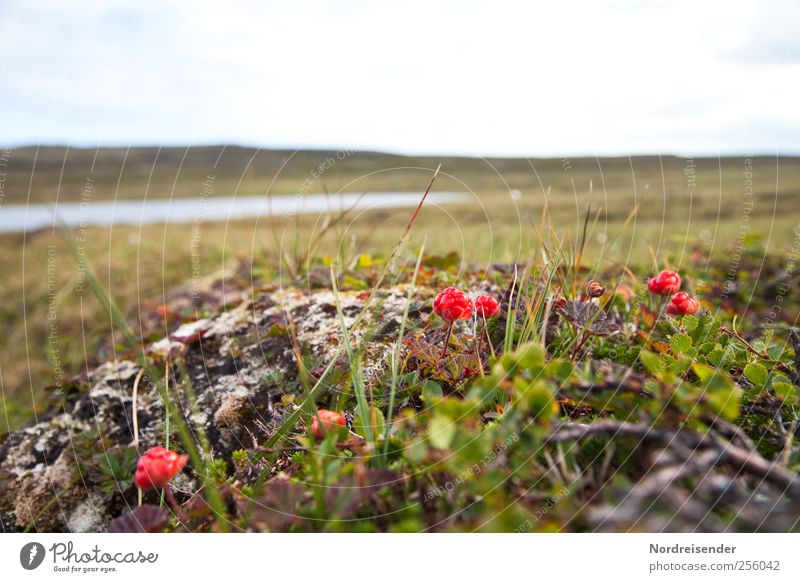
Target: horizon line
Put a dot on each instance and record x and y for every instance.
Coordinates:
(389, 152)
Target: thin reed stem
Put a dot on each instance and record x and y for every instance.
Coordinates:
(446, 341)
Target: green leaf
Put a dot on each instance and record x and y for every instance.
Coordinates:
(719, 390)
(776, 351)
(560, 368)
(541, 403)
(722, 357)
(681, 365)
(650, 361)
(785, 390)
(705, 373)
(431, 391)
(680, 343)
(441, 431)
(690, 322)
(726, 403)
(531, 356)
(376, 422)
(707, 347)
(757, 374)
(416, 451)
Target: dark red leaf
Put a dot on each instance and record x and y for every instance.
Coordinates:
(143, 519)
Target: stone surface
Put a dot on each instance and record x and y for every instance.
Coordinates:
(241, 366)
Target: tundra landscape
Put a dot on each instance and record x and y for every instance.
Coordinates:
(585, 344)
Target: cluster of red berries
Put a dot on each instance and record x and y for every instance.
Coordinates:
(668, 283)
(452, 304)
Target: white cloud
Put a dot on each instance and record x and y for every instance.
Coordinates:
(475, 77)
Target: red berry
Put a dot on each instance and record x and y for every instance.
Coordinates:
(665, 283)
(486, 306)
(683, 304)
(452, 304)
(325, 420)
(157, 467)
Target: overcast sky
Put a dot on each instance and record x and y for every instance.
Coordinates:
(483, 78)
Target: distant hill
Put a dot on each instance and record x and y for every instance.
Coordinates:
(48, 173)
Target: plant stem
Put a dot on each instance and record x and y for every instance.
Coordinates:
(446, 341)
(173, 503)
(478, 346)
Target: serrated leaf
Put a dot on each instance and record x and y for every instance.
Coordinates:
(690, 322)
(589, 317)
(277, 507)
(776, 351)
(707, 347)
(680, 343)
(721, 357)
(719, 391)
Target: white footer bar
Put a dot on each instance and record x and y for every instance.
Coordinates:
(402, 557)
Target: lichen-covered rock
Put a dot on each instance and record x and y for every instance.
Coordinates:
(67, 471)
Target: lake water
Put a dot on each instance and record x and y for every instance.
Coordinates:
(21, 217)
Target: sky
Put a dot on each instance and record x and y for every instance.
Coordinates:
(428, 77)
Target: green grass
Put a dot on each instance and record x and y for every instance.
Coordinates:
(139, 266)
(480, 441)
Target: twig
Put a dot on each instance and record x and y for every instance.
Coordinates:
(754, 463)
(574, 431)
(763, 355)
(730, 431)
